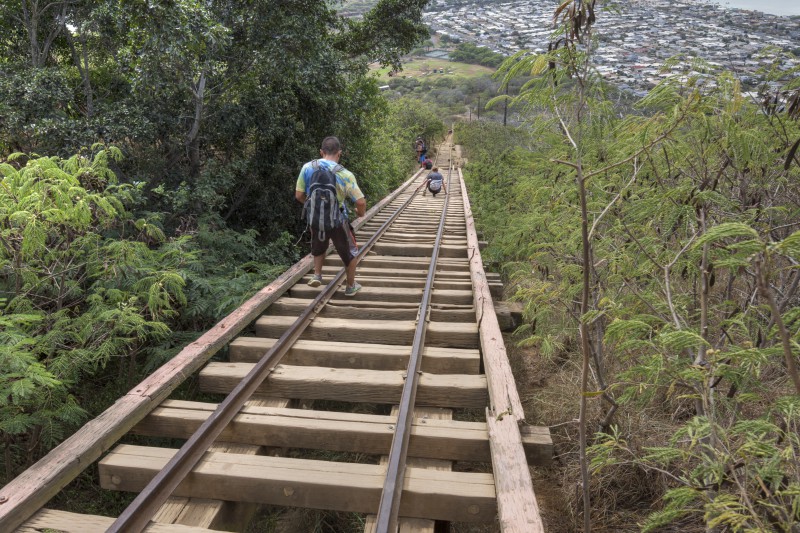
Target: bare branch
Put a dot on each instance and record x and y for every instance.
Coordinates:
(619, 194)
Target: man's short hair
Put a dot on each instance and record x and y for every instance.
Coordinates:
(435, 169)
(331, 145)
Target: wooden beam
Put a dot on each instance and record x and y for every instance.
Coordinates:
(517, 506)
(356, 309)
(424, 234)
(395, 272)
(412, 282)
(66, 522)
(446, 334)
(389, 294)
(349, 487)
(349, 385)
(218, 514)
(359, 355)
(405, 263)
(345, 432)
(503, 394)
(418, 250)
(509, 315)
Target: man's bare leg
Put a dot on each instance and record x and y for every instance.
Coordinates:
(351, 272)
(319, 260)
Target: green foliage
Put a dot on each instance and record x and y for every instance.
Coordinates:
(73, 299)
(688, 199)
(478, 55)
(391, 26)
(216, 105)
(234, 266)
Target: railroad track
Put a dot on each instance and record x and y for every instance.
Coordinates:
(419, 349)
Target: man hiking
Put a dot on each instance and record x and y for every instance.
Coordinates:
(326, 212)
(420, 148)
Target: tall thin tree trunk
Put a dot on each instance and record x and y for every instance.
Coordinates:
(192, 138)
(767, 294)
(585, 347)
(82, 63)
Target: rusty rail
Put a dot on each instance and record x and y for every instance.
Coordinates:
(389, 506)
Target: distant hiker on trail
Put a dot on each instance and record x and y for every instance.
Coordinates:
(426, 163)
(434, 183)
(420, 148)
(322, 187)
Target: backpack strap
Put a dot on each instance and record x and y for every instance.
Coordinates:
(336, 168)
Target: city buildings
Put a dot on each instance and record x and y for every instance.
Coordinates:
(634, 38)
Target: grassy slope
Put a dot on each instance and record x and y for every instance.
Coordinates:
(415, 67)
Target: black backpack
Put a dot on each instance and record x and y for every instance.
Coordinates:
(321, 210)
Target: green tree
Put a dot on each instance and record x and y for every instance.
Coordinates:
(478, 55)
(221, 102)
(82, 285)
(665, 237)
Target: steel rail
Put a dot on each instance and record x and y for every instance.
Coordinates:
(389, 507)
(136, 517)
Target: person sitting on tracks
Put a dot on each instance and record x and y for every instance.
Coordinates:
(434, 183)
(426, 163)
(313, 175)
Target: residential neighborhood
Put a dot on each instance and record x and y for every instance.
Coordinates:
(635, 38)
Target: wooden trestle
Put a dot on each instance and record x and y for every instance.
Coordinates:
(355, 351)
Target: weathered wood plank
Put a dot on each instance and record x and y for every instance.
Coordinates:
(432, 438)
(445, 264)
(66, 522)
(411, 282)
(424, 234)
(217, 514)
(359, 355)
(380, 277)
(419, 249)
(517, 507)
(502, 387)
(454, 496)
(449, 334)
(356, 309)
(388, 294)
(509, 315)
(538, 445)
(350, 385)
(394, 272)
(406, 524)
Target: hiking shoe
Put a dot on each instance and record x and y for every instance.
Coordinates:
(352, 290)
(315, 281)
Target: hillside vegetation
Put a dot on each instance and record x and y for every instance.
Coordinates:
(656, 253)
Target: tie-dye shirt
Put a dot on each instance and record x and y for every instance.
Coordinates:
(346, 186)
